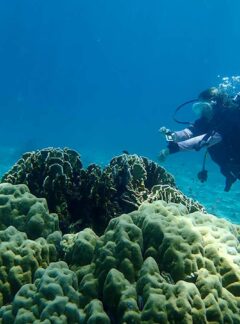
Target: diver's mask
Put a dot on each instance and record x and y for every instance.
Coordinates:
(203, 109)
(203, 106)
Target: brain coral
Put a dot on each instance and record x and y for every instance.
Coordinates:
(161, 264)
(19, 259)
(52, 298)
(19, 208)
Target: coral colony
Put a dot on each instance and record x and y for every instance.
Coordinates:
(119, 244)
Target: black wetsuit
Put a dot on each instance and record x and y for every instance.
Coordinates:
(226, 154)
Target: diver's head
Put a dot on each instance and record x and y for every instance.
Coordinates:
(211, 94)
(203, 109)
(207, 101)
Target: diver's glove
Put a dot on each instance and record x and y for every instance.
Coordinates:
(164, 130)
(163, 154)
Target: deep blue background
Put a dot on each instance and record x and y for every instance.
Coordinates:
(103, 76)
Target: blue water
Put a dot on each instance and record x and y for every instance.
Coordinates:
(103, 76)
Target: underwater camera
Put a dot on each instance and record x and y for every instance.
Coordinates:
(169, 137)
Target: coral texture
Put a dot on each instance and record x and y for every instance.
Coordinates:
(119, 188)
(87, 197)
(19, 259)
(19, 208)
(171, 194)
(160, 264)
(49, 173)
(52, 298)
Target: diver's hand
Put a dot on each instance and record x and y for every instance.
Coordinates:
(170, 136)
(163, 155)
(164, 130)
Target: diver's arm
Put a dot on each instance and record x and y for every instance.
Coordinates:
(195, 143)
(182, 135)
(177, 136)
(197, 128)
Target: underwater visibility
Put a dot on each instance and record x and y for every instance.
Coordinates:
(120, 162)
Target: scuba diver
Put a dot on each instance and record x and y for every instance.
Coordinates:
(217, 129)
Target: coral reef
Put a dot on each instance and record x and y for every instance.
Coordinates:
(87, 197)
(133, 177)
(78, 249)
(164, 260)
(52, 298)
(171, 194)
(49, 173)
(19, 259)
(19, 208)
(160, 264)
(119, 188)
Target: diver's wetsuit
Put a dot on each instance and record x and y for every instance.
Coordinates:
(221, 135)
